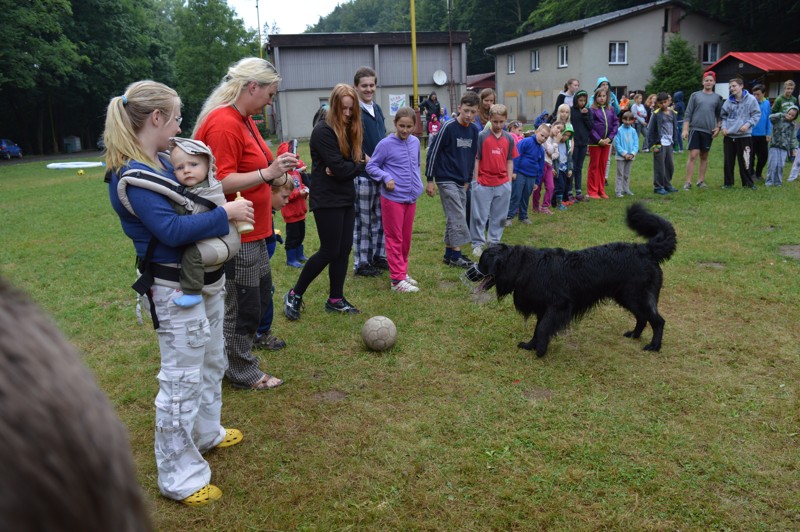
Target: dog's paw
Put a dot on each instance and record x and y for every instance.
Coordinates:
(525, 345)
(631, 334)
(651, 347)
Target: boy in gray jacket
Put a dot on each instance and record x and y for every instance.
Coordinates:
(783, 143)
(739, 114)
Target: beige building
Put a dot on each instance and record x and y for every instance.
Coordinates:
(621, 45)
(312, 63)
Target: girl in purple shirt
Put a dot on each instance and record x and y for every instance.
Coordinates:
(395, 164)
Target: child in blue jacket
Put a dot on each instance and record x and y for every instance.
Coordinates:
(626, 146)
(528, 169)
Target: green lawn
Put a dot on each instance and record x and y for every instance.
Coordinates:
(455, 428)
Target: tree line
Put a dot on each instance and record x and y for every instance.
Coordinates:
(62, 60)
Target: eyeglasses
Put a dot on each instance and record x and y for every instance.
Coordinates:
(179, 119)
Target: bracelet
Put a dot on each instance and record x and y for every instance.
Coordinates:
(261, 176)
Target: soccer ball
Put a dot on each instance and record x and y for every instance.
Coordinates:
(379, 333)
(81, 172)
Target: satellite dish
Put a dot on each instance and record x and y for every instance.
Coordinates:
(439, 77)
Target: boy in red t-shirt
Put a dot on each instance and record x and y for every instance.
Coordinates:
(491, 182)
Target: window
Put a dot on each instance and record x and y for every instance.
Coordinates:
(512, 63)
(534, 60)
(710, 52)
(617, 53)
(562, 56)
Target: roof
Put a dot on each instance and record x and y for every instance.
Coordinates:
(579, 26)
(315, 40)
(766, 61)
(481, 80)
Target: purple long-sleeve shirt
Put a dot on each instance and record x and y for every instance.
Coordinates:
(399, 160)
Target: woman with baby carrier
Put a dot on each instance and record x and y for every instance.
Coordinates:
(139, 124)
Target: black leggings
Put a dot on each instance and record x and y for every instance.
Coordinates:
(295, 234)
(335, 230)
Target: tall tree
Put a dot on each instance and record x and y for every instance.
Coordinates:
(202, 56)
(676, 70)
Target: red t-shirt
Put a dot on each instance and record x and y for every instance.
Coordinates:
(240, 149)
(494, 154)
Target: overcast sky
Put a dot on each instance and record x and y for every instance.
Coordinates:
(292, 16)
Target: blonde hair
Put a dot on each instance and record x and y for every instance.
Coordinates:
(286, 186)
(498, 109)
(126, 116)
(569, 112)
(349, 134)
(239, 76)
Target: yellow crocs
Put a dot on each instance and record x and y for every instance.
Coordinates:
(232, 437)
(203, 496)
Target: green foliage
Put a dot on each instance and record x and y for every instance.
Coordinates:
(676, 69)
(202, 57)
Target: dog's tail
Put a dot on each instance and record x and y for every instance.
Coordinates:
(659, 232)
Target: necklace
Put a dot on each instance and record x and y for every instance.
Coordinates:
(253, 134)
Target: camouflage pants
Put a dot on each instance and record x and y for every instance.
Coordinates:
(189, 399)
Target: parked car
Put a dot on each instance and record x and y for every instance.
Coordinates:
(9, 149)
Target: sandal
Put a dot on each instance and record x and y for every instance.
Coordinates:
(232, 437)
(267, 382)
(203, 496)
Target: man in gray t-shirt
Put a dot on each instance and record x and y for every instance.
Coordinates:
(701, 123)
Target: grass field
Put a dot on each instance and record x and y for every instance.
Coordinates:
(455, 428)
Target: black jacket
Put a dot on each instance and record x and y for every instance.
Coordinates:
(336, 190)
(581, 122)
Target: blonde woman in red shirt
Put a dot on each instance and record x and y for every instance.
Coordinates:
(246, 165)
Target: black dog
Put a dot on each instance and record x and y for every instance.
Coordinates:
(559, 285)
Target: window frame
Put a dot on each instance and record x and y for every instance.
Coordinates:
(563, 55)
(535, 65)
(512, 63)
(617, 45)
(706, 52)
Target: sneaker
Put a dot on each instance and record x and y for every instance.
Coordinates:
(660, 192)
(342, 306)
(688, 186)
(561, 207)
(619, 194)
(292, 305)
(752, 187)
(509, 222)
(545, 210)
(580, 197)
(477, 251)
(701, 184)
(526, 221)
(268, 341)
(671, 189)
(367, 270)
(380, 263)
(629, 193)
(568, 202)
(460, 262)
(404, 286)
(411, 281)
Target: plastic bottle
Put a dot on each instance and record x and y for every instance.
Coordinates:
(243, 227)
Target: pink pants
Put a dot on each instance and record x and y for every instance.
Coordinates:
(547, 181)
(398, 223)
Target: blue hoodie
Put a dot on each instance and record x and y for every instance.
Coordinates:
(763, 127)
(612, 98)
(531, 157)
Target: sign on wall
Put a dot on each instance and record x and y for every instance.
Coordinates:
(396, 101)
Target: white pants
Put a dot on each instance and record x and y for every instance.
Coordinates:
(189, 400)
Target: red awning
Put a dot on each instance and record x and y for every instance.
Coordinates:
(766, 61)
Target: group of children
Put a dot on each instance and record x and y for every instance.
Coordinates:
(485, 178)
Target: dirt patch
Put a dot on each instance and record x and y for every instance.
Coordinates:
(712, 265)
(481, 297)
(538, 394)
(790, 251)
(331, 396)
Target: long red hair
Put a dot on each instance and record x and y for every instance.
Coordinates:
(349, 133)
